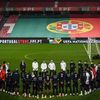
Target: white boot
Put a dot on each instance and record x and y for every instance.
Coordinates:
(70, 93)
(66, 94)
(42, 96)
(50, 96)
(37, 96)
(25, 95)
(81, 94)
(18, 93)
(85, 93)
(29, 95)
(90, 91)
(45, 96)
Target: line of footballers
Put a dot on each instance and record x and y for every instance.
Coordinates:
(50, 83)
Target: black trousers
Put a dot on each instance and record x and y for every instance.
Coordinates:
(82, 87)
(75, 88)
(27, 89)
(98, 84)
(34, 90)
(0, 84)
(87, 87)
(70, 88)
(16, 87)
(22, 73)
(61, 88)
(55, 90)
(93, 84)
(35, 73)
(44, 74)
(51, 72)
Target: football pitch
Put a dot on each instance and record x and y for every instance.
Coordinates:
(14, 53)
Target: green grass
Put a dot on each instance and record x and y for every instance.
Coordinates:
(93, 96)
(14, 53)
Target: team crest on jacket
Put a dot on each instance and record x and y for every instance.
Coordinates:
(70, 27)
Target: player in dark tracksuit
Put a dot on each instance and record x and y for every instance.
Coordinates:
(23, 81)
(8, 79)
(27, 85)
(75, 83)
(80, 68)
(55, 84)
(34, 85)
(16, 81)
(11, 84)
(68, 83)
(40, 84)
(47, 83)
(22, 67)
(72, 68)
(82, 82)
(61, 77)
(98, 78)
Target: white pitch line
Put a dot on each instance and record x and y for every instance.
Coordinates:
(86, 52)
(26, 57)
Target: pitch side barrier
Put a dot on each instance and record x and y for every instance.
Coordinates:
(47, 40)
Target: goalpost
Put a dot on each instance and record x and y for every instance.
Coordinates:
(89, 47)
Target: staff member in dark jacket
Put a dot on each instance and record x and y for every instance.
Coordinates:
(22, 67)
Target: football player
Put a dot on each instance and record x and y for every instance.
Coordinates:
(61, 77)
(82, 82)
(22, 67)
(3, 78)
(40, 84)
(63, 65)
(72, 68)
(52, 67)
(87, 81)
(34, 85)
(0, 80)
(23, 81)
(98, 78)
(75, 83)
(16, 81)
(8, 79)
(35, 66)
(43, 68)
(80, 68)
(27, 85)
(93, 78)
(55, 84)
(47, 83)
(68, 83)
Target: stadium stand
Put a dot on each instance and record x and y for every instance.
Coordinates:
(78, 4)
(8, 26)
(51, 4)
(4, 31)
(12, 19)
